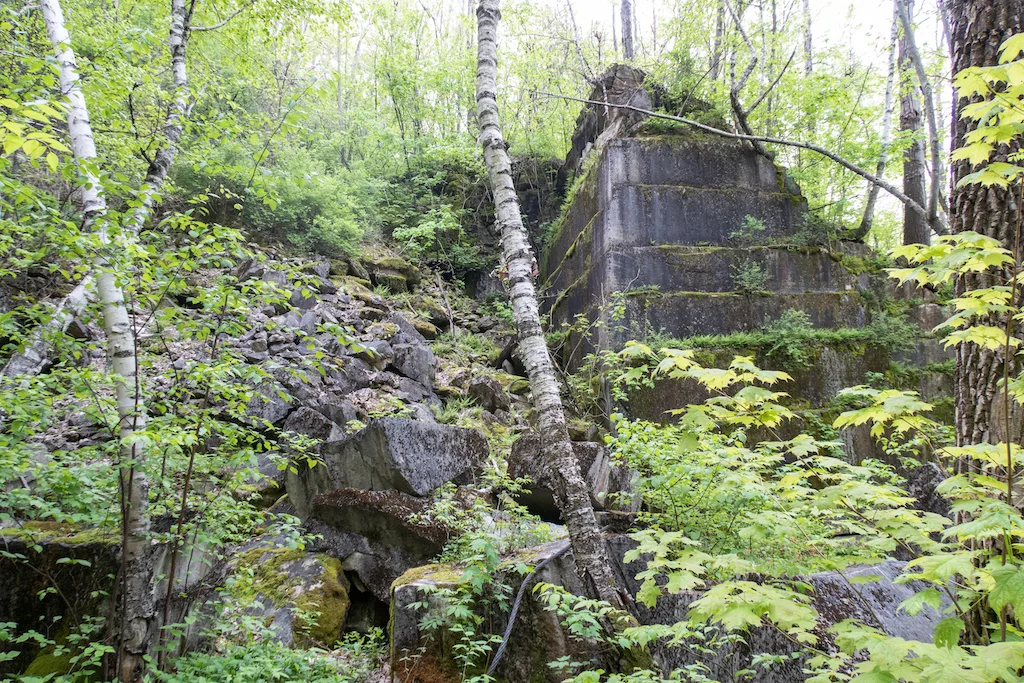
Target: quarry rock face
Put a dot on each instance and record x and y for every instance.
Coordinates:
(378, 535)
(605, 479)
(410, 456)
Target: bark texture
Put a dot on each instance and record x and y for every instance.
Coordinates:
(883, 157)
(35, 356)
(978, 27)
(910, 51)
(627, 29)
(915, 226)
(572, 496)
(137, 597)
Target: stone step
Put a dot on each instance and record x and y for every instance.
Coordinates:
(693, 160)
(674, 214)
(715, 269)
(689, 314)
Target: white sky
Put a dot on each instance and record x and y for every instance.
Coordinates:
(863, 24)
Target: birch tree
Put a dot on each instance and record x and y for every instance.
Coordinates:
(33, 358)
(571, 494)
(136, 598)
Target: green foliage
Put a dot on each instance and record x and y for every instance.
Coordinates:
(997, 110)
(269, 662)
(749, 278)
(750, 233)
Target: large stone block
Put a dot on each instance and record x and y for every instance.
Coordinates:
(378, 535)
(687, 314)
(700, 269)
(410, 456)
(690, 160)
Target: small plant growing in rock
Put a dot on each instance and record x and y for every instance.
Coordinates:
(749, 277)
(749, 233)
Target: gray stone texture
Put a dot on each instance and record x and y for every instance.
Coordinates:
(389, 454)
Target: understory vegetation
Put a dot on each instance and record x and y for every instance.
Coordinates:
(242, 240)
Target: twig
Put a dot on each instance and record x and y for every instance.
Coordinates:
(231, 16)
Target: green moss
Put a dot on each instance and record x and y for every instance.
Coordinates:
(53, 532)
(47, 663)
(395, 282)
(428, 330)
(392, 263)
(330, 603)
(435, 573)
(520, 387)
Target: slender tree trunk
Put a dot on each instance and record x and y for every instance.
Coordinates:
(883, 157)
(35, 356)
(627, 29)
(572, 496)
(136, 598)
(905, 9)
(915, 226)
(978, 27)
(715, 67)
(808, 46)
(615, 33)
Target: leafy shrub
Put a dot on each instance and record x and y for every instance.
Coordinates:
(749, 233)
(269, 662)
(749, 278)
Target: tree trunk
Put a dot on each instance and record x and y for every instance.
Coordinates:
(915, 226)
(978, 27)
(905, 9)
(715, 66)
(572, 496)
(883, 157)
(35, 356)
(136, 597)
(627, 29)
(808, 47)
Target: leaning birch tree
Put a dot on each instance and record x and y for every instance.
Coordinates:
(571, 492)
(136, 599)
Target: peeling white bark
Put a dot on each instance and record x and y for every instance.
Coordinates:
(572, 496)
(35, 356)
(137, 598)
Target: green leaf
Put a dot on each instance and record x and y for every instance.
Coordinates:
(947, 632)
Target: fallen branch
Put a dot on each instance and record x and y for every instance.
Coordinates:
(939, 225)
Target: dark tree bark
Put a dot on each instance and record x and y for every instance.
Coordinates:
(978, 27)
(627, 29)
(915, 226)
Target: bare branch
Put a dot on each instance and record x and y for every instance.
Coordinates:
(221, 24)
(938, 225)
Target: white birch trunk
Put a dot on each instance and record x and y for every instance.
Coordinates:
(34, 357)
(572, 496)
(137, 597)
